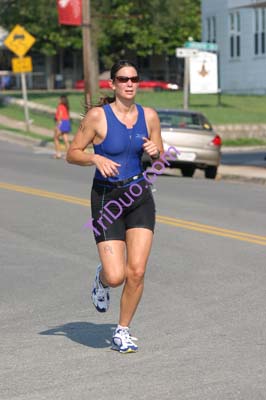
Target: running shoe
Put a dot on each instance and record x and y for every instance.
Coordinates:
(100, 295)
(122, 341)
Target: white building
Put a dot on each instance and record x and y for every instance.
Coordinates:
(239, 29)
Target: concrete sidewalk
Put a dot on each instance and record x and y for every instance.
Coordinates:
(15, 124)
(240, 172)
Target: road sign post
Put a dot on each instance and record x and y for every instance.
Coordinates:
(25, 100)
(20, 41)
(22, 65)
(186, 54)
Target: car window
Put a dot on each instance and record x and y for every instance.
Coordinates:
(184, 120)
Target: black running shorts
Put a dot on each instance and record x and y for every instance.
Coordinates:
(116, 209)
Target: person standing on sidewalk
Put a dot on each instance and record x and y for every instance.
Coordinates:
(120, 131)
(63, 125)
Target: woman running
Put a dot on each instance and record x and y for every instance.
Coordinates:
(123, 210)
(63, 125)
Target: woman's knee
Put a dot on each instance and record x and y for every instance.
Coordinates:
(114, 279)
(136, 273)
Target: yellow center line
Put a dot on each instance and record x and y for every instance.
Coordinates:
(44, 193)
(214, 231)
(195, 226)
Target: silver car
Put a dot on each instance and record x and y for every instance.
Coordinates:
(192, 135)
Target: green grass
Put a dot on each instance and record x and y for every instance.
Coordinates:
(244, 142)
(233, 109)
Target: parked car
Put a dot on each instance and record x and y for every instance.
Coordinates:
(143, 84)
(192, 135)
(157, 85)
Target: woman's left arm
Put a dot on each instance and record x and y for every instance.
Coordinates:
(154, 145)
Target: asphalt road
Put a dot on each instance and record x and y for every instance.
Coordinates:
(201, 323)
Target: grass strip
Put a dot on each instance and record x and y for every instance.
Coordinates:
(27, 133)
(244, 142)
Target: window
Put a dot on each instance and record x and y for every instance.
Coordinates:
(183, 120)
(259, 31)
(211, 29)
(234, 35)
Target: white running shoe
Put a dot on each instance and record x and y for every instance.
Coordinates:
(122, 341)
(100, 295)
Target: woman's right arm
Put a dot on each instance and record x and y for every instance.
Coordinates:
(83, 137)
(88, 130)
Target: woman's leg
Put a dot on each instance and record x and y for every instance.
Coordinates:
(66, 141)
(57, 134)
(112, 256)
(138, 242)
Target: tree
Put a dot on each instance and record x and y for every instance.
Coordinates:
(147, 28)
(41, 20)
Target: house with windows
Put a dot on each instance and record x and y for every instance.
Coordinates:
(238, 27)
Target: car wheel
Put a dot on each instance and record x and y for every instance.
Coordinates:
(188, 171)
(211, 172)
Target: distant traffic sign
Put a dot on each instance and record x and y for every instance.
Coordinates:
(182, 52)
(21, 64)
(19, 41)
(204, 46)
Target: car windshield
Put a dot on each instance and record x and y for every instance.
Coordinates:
(184, 120)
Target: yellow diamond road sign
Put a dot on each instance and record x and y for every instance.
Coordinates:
(21, 64)
(19, 41)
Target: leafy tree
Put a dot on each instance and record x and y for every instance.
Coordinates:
(146, 28)
(41, 20)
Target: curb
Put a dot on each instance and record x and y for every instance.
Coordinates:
(241, 178)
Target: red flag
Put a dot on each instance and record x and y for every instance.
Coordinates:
(69, 12)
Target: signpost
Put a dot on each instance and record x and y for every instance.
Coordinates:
(186, 54)
(192, 50)
(20, 41)
(203, 46)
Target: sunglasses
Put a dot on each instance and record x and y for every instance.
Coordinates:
(125, 79)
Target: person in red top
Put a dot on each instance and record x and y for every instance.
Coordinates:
(63, 125)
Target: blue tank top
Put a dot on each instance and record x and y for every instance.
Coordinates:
(122, 145)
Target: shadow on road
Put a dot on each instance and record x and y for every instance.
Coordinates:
(85, 333)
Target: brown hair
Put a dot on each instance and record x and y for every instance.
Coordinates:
(64, 100)
(115, 68)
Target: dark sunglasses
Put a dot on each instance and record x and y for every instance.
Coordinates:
(125, 79)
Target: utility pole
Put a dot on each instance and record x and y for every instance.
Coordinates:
(86, 37)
